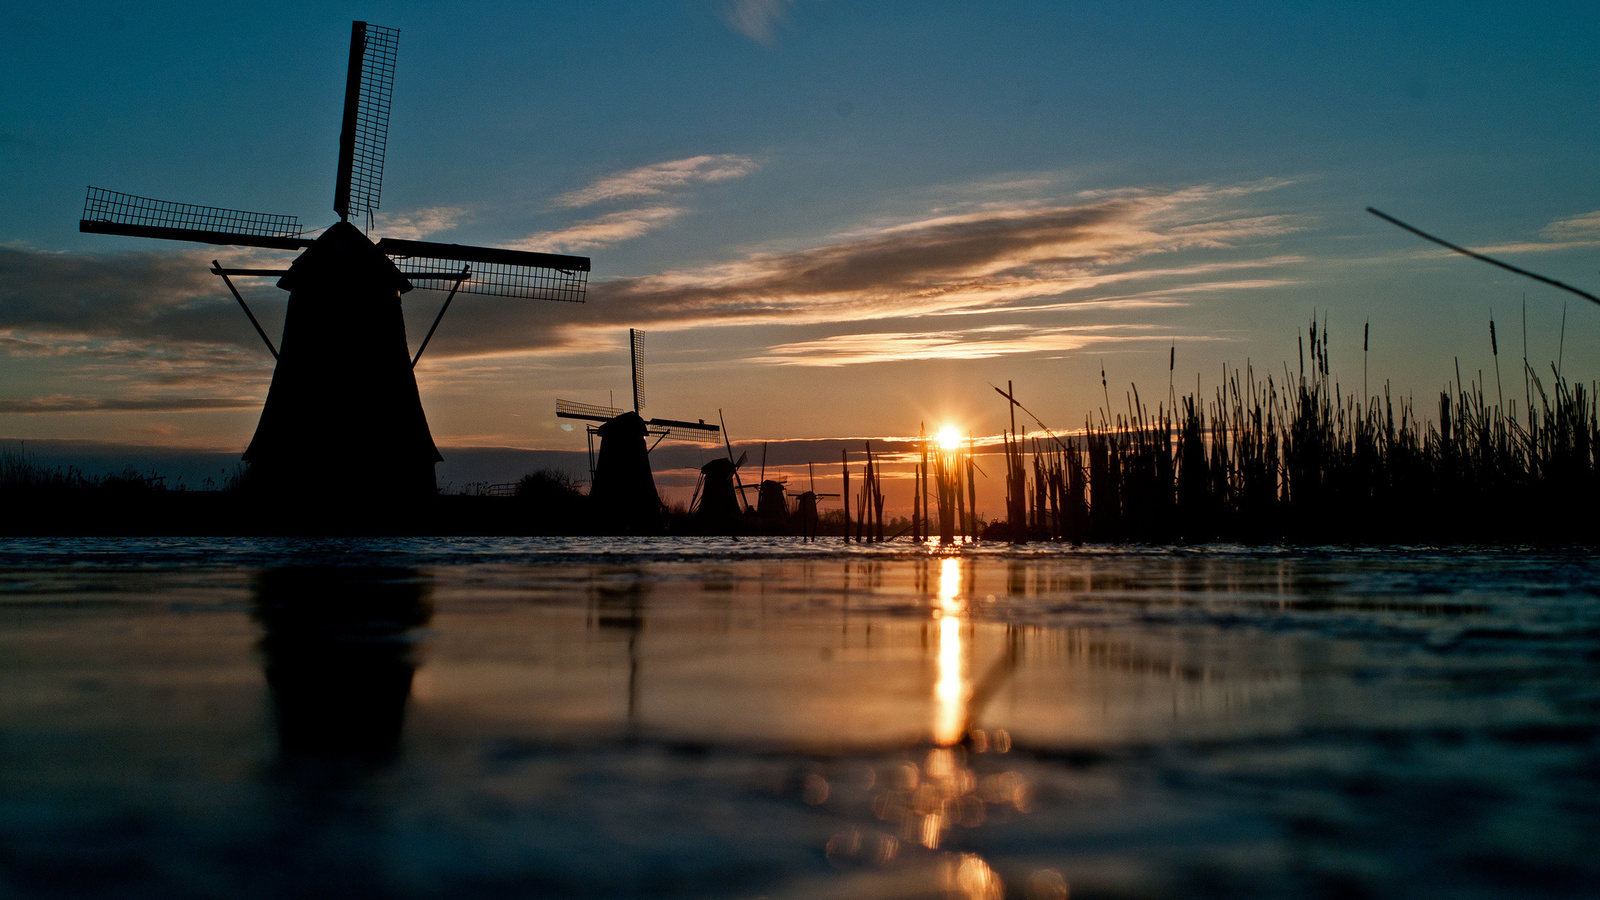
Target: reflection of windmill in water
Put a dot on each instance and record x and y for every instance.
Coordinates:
(622, 489)
(343, 395)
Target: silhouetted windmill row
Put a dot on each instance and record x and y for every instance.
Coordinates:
(343, 394)
(622, 489)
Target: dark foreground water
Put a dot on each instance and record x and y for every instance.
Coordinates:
(526, 718)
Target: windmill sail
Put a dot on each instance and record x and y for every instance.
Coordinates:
(571, 409)
(636, 358)
(113, 212)
(696, 431)
(368, 89)
(502, 273)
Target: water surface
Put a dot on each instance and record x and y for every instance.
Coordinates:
(707, 718)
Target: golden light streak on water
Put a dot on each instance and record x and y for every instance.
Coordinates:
(950, 691)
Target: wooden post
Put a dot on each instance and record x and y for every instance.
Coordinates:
(916, 506)
(972, 490)
(844, 459)
(922, 487)
(944, 483)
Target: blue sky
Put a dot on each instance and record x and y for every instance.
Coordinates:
(833, 219)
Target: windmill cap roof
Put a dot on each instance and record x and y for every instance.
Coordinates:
(626, 424)
(343, 253)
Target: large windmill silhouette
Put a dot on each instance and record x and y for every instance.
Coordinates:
(344, 397)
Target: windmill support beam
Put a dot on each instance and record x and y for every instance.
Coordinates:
(223, 274)
(440, 317)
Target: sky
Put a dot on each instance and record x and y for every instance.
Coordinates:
(834, 221)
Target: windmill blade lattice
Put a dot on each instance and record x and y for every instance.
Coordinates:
(502, 273)
(369, 88)
(636, 357)
(113, 212)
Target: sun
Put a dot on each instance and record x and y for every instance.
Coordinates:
(949, 438)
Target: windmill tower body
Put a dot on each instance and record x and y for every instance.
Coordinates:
(343, 402)
(719, 509)
(623, 494)
(343, 395)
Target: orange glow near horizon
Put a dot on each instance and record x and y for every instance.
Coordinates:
(949, 438)
(950, 691)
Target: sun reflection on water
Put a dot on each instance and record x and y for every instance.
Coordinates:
(950, 691)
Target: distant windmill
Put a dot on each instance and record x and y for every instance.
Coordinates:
(719, 505)
(343, 390)
(622, 489)
(806, 503)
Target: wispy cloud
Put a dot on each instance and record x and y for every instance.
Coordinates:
(971, 343)
(65, 404)
(1029, 262)
(416, 224)
(1586, 226)
(1007, 259)
(603, 231)
(660, 178)
(756, 19)
(1571, 233)
(128, 296)
(983, 260)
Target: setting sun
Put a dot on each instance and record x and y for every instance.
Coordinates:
(949, 438)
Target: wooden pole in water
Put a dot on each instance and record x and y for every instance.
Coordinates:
(916, 505)
(877, 500)
(866, 497)
(972, 489)
(861, 502)
(961, 496)
(922, 487)
(947, 509)
(844, 459)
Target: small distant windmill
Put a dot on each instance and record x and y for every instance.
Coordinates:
(622, 489)
(719, 505)
(806, 503)
(343, 390)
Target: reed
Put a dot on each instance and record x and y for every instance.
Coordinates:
(1300, 460)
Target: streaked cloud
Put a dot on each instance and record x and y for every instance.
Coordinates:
(659, 178)
(603, 231)
(1029, 262)
(126, 296)
(756, 19)
(1584, 226)
(66, 404)
(1512, 247)
(987, 260)
(971, 343)
(417, 224)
